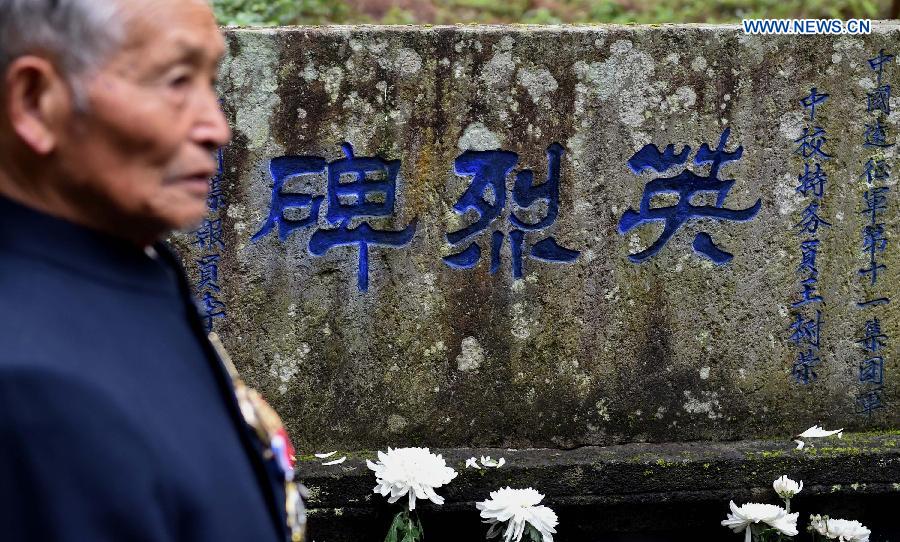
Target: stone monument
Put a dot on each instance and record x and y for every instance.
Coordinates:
(556, 237)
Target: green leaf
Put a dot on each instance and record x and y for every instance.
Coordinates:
(405, 527)
(533, 534)
(409, 534)
(414, 533)
(396, 528)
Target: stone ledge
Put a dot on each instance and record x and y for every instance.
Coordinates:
(645, 491)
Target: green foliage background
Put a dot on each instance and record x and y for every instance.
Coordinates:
(283, 12)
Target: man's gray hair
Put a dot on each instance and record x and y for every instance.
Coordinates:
(78, 35)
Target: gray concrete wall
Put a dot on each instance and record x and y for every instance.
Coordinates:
(599, 350)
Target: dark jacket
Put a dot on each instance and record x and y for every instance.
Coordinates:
(117, 420)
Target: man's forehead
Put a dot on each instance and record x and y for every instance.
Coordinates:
(188, 26)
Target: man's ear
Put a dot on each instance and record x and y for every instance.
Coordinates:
(37, 102)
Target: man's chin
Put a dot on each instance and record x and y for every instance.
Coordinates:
(186, 212)
(175, 211)
(185, 221)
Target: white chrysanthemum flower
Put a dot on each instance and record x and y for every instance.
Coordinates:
(472, 462)
(742, 518)
(840, 529)
(787, 488)
(518, 507)
(787, 524)
(415, 472)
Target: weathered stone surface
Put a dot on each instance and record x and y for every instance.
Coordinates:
(632, 492)
(595, 352)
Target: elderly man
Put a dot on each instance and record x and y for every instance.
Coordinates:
(118, 421)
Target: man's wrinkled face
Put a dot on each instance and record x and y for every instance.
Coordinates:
(144, 150)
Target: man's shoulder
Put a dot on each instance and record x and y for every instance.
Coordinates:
(33, 307)
(51, 315)
(32, 298)
(40, 395)
(27, 282)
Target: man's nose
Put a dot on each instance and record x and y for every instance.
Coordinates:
(211, 129)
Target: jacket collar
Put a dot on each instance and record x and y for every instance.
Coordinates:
(80, 250)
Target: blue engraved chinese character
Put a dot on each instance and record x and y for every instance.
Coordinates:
(811, 100)
(811, 142)
(876, 169)
(879, 100)
(812, 181)
(686, 184)
(306, 206)
(215, 200)
(806, 331)
(211, 308)
(809, 293)
(209, 273)
(357, 187)
(487, 197)
(877, 63)
(876, 135)
(870, 400)
(876, 202)
(803, 369)
(874, 241)
(873, 302)
(871, 370)
(809, 250)
(209, 236)
(874, 339)
(811, 220)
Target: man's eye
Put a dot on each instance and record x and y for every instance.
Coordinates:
(180, 81)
